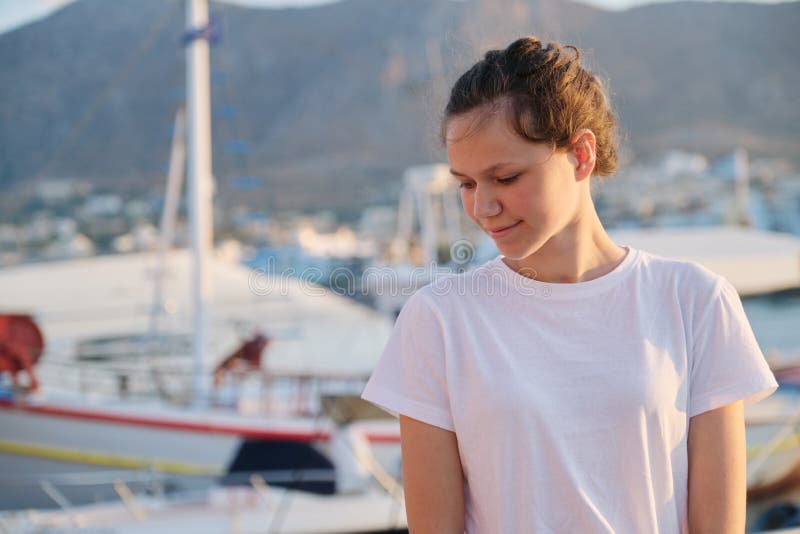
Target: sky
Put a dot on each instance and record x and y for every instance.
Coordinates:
(14, 13)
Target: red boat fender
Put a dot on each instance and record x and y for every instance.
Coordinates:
(246, 358)
(21, 346)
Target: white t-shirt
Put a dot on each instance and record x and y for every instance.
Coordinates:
(571, 402)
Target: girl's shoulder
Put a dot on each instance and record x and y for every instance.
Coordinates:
(448, 290)
(656, 278)
(681, 271)
(687, 283)
(476, 280)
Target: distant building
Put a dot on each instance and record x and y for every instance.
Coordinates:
(138, 209)
(142, 237)
(65, 228)
(677, 163)
(378, 222)
(102, 206)
(77, 246)
(343, 243)
(40, 228)
(61, 191)
(9, 235)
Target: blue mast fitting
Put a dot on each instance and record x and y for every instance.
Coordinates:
(211, 32)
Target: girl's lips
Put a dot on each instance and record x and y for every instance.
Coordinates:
(503, 231)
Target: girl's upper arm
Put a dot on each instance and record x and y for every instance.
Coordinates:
(432, 478)
(717, 470)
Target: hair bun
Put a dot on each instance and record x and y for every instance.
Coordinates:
(495, 57)
(523, 46)
(547, 93)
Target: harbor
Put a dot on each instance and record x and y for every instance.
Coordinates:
(184, 342)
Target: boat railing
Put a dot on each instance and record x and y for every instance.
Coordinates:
(152, 497)
(58, 486)
(130, 486)
(147, 477)
(784, 434)
(256, 392)
(151, 480)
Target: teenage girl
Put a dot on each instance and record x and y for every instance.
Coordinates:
(570, 385)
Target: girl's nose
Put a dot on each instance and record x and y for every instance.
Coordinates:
(486, 204)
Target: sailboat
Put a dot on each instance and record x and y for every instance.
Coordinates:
(79, 439)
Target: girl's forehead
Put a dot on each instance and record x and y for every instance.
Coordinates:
(473, 134)
(474, 122)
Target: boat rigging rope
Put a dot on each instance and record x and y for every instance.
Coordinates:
(119, 78)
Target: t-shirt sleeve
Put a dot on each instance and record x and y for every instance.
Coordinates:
(410, 376)
(727, 363)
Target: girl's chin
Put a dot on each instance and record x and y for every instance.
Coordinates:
(512, 253)
(517, 252)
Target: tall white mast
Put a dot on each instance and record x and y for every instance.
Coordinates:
(198, 96)
(177, 163)
(741, 174)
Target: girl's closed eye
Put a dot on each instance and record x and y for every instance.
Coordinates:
(509, 180)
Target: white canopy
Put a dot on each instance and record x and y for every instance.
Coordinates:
(754, 261)
(314, 330)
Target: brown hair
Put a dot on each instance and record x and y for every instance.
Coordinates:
(546, 92)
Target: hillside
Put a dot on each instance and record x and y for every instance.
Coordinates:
(327, 105)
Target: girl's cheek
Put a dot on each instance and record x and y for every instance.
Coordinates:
(466, 202)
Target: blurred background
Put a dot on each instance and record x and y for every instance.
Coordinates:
(147, 368)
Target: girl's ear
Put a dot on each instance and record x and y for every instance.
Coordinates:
(583, 143)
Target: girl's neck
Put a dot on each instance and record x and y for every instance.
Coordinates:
(582, 251)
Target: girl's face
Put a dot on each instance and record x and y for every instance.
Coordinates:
(520, 193)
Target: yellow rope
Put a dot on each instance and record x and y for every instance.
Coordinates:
(99, 458)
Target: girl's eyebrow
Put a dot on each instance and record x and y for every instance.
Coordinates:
(489, 170)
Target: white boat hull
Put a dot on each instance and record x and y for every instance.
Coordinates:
(230, 510)
(71, 445)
